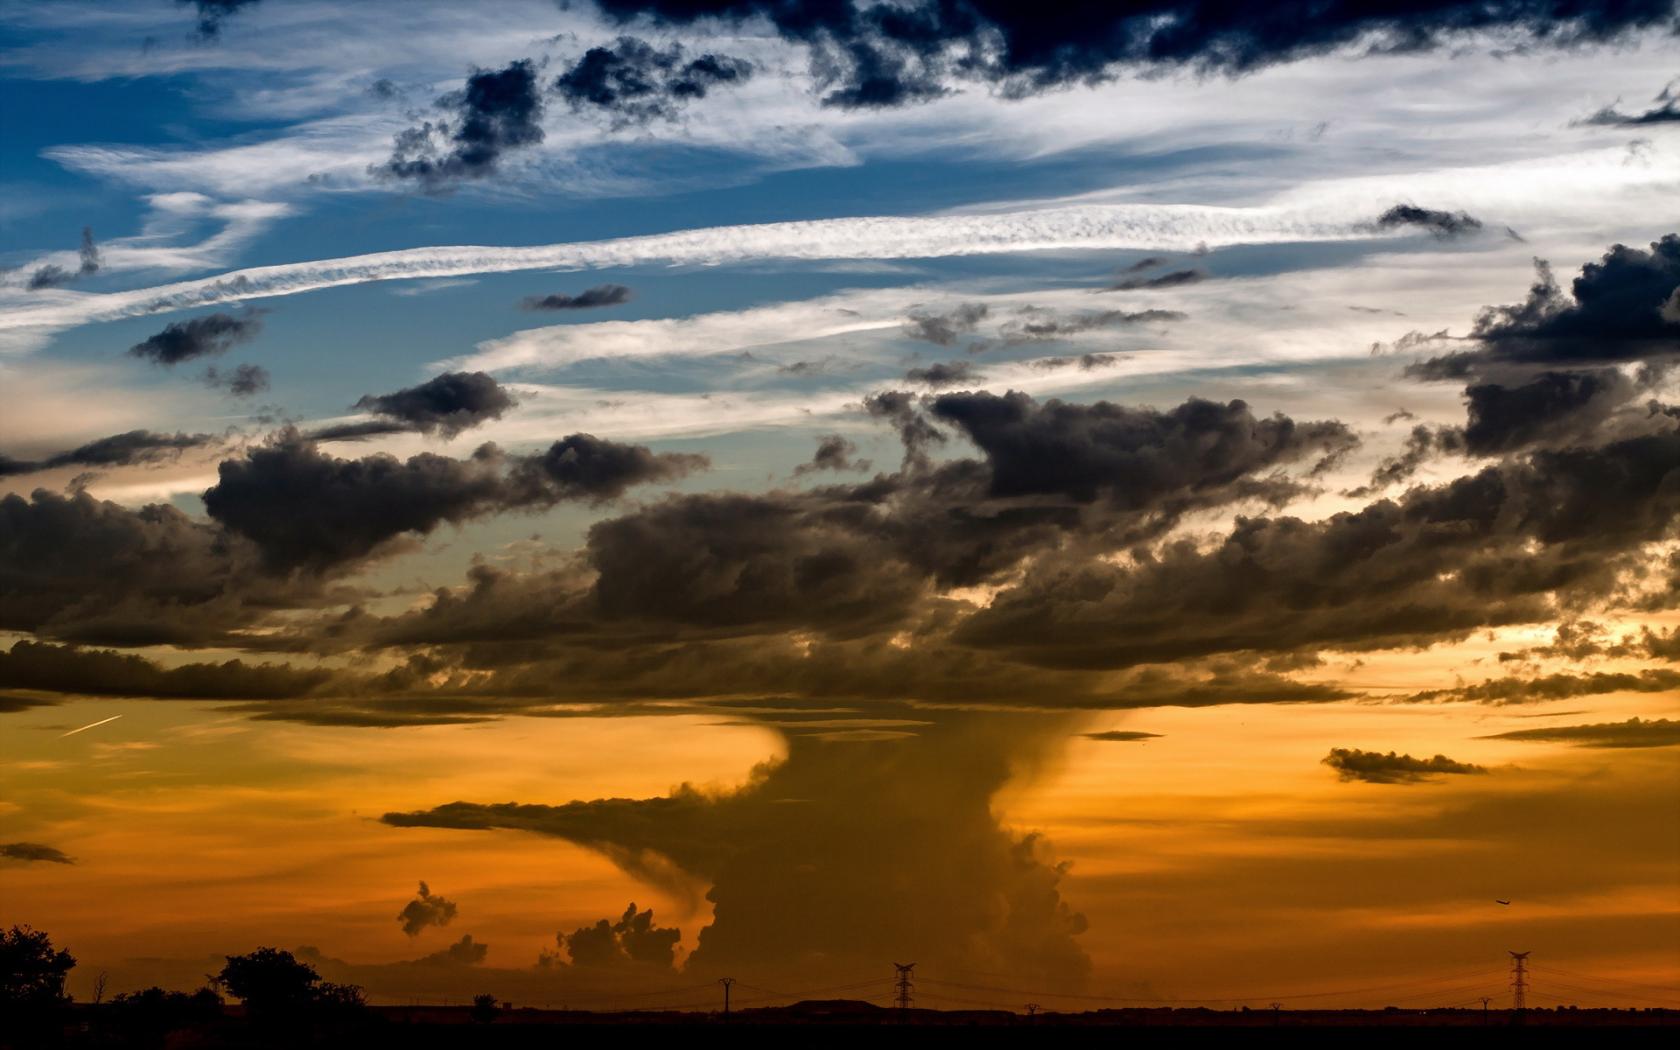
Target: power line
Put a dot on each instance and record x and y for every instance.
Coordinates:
(1016, 992)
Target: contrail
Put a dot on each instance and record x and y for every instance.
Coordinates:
(90, 725)
(1089, 227)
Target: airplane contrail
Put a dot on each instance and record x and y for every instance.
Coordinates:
(90, 725)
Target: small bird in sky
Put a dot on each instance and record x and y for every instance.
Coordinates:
(1498, 901)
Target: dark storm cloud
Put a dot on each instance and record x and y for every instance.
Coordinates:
(54, 276)
(205, 336)
(1496, 547)
(33, 851)
(876, 847)
(943, 329)
(1659, 732)
(1122, 736)
(464, 952)
(136, 447)
(845, 561)
(1443, 224)
(1614, 313)
(358, 431)
(891, 54)
(304, 509)
(588, 299)
(102, 672)
(81, 569)
(633, 940)
(1174, 279)
(1131, 457)
(633, 82)
(1550, 407)
(212, 13)
(944, 373)
(833, 453)
(1666, 111)
(243, 381)
(445, 404)
(1515, 690)
(1374, 767)
(496, 112)
(426, 909)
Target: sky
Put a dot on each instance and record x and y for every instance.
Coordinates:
(1158, 503)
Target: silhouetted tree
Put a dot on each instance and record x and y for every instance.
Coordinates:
(32, 976)
(32, 971)
(484, 1008)
(280, 993)
(270, 982)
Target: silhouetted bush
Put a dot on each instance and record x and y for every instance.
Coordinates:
(145, 1018)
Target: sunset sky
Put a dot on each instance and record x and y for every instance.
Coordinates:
(1157, 502)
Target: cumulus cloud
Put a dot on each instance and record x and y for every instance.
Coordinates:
(1443, 224)
(1172, 279)
(54, 276)
(588, 299)
(1045, 325)
(1084, 362)
(82, 569)
(244, 381)
(103, 672)
(446, 404)
(134, 448)
(944, 373)
(30, 852)
(464, 952)
(1490, 548)
(305, 509)
(207, 336)
(1519, 690)
(943, 329)
(496, 112)
(1635, 732)
(1374, 767)
(633, 940)
(876, 846)
(633, 82)
(833, 453)
(427, 909)
(1665, 111)
(1614, 313)
(212, 13)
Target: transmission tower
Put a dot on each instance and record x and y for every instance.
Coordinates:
(727, 982)
(903, 986)
(1519, 980)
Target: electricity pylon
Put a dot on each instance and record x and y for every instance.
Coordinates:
(1519, 980)
(903, 986)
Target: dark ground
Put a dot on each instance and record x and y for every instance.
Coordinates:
(849, 1023)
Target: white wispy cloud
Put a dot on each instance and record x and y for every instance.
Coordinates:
(1168, 227)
